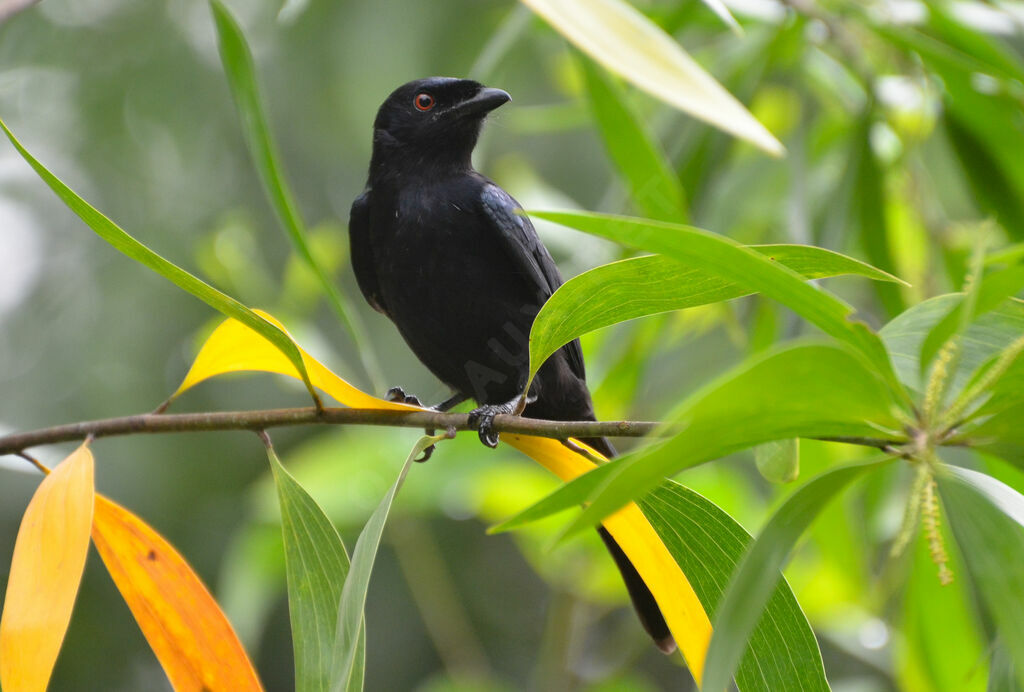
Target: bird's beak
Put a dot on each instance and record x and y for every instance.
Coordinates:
(485, 101)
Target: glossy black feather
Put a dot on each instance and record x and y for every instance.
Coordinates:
(452, 260)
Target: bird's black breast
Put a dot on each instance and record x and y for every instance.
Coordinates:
(462, 303)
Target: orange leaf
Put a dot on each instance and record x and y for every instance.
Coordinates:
(234, 347)
(49, 556)
(182, 622)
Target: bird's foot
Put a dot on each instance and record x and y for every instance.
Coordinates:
(482, 418)
(397, 394)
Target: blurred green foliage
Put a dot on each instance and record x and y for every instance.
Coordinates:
(904, 128)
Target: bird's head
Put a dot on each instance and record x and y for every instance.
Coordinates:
(434, 120)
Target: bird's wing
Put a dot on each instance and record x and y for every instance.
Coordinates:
(525, 248)
(362, 252)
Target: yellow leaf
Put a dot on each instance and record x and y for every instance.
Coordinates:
(683, 611)
(626, 42)
(233, 347)
(49, 556)
(189, 634)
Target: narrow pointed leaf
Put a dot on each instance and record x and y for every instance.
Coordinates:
(993, 546)
(782, 653)
(719, 8)
(653, 184)
(241, 72)
(759, 571)
(868, 212)
(943, 644)
(182, 622)
(233, 347)
(357, 583)
(642, 286)
(46, 569)
(804, 390)
(1009, 501)
(729, 260)
(990, 292)
(121, 241)
(666, 575)
(316, 564)
(626, 42)
(987, 336)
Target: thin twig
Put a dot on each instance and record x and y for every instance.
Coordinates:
(270, 418)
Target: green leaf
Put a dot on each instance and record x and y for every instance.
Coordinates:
(648, 285)
(241, 73)
(990, 183)
(708, 544)
(1006, 499)
(728, 259)
(998, 60)
(1002, 676)
(353, 598)
(779, 460)
(987, 336)
(758, 573)
(867, 212)
(942, 645)
(988, 294)
(121, 241)
(804, 390)
(316, 564)
(654, 186)
(629, 44)
(719, 8)
(993, 547)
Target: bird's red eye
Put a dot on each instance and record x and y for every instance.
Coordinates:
(423, 101)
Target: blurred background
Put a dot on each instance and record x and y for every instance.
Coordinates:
(904, 130)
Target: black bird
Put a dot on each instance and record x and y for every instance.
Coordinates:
(450, 258)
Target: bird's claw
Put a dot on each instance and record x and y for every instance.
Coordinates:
(482, 419)
(398, 394)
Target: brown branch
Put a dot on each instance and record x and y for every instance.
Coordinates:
(270, 418)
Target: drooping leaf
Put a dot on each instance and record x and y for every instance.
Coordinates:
(803, 390)
(653, 184)
(708, 544)
(667, 578)
(942, 644)
(233, 347)
(643, 286)
(182, 622)
(121, 241)
(316, 565)
(626, 42)
(1006, 499)
(752, 583)
(992, 544)
(744, 266)
(46, 569)
(349, 627)
(241, 73)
